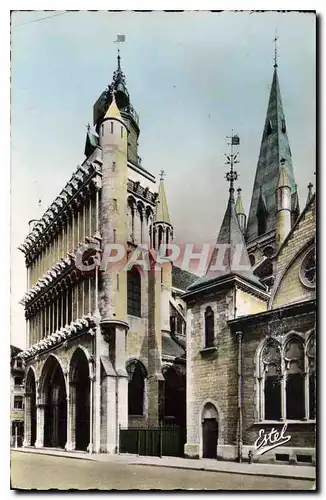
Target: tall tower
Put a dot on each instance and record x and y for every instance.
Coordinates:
(274, 146)
(113, 278)
(162, 234)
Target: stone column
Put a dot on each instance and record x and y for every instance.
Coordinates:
(71, 418)
(90, 447)
(28, 421)
(39, 425)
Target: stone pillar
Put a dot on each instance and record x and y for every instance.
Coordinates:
(99, 342)
(90, 447)
(110, 409)
(28, 421)
(39, 425)
(71, 418)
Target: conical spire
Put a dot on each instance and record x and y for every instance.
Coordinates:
(162, 212)
(283, 180)
(241, 215)
(274, 147)
(235, 259)
(310, 186)
(230, 256)
(113, 110)
(239, 205)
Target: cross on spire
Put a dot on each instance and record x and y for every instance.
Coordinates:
(162, 174)
(275, 50)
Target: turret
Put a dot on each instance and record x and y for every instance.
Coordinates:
(162, 234)
(241, 216)
(283, 206)
(162, 230)
(310, 186)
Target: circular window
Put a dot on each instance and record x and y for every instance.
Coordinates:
(308, 269)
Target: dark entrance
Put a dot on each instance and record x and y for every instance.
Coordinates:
(31, 395)
(210, 434)
(55, 412)
(80, 387)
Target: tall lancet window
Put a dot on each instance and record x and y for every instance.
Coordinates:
(136, 388)
(209, 327)
(295, 394)
(134, 292)
(271, 374)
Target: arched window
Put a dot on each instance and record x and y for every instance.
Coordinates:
(282, 377)
(134, 292)
(209, 327)
(268, 251)
(269, 127)
(252, 259)
(294, 369)
(283, 126)
(136, 388)
(271, 376)
(308, 269)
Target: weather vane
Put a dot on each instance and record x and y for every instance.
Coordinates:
(162, 174)
(231, 160)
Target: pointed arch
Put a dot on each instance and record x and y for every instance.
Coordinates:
(79, 371)
(137, 374)
(209, 327)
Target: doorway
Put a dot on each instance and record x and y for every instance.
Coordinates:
(210, 435)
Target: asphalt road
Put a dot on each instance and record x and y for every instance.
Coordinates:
(43, 472)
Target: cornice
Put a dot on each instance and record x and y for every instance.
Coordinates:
(135, 188)
(87, 176)
(53, 276)
(66, 333)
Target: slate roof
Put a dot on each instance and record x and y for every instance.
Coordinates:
(162, 211)
(182, 279)
(230, 234)
(274, 147)
(170, 347)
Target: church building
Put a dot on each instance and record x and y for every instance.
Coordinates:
(105, 343)
(251, 356)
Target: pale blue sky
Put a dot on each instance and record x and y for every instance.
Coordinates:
(192, 77)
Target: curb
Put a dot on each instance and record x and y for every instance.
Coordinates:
(224, 471)
(130, 461)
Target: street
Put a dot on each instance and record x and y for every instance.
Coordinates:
(36, 471)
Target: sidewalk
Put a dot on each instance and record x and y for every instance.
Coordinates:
(204, 464)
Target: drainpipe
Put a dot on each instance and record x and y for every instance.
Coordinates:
(239, 338)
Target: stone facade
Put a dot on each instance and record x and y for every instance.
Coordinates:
(95, 359)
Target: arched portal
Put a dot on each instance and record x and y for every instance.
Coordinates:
(210, 431)
(30, 409)
(54, 396)
(174, 396)
(80, 400)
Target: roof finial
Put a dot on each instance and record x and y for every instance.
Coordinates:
(119, 67)
(162, 174)
(232, 159)
(275, 50)
(88, 127)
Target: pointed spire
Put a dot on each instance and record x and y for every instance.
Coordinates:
(283, 180)
(239, 210)
(234, 258)
(274, 147)
(91, 141)
(310, 186)
(162, 212)
(113, 110)
(239, 205)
